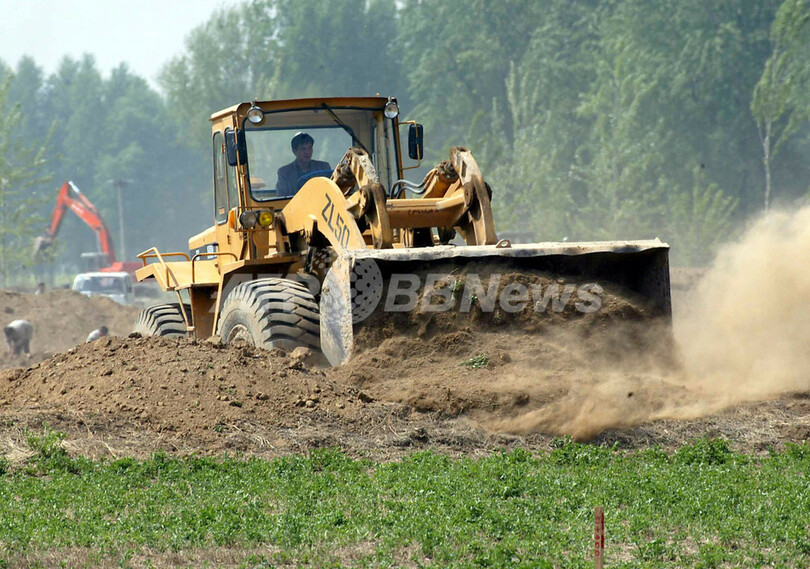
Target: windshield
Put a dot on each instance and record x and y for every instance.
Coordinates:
(104, 285)
(278, 168)
(276, 171)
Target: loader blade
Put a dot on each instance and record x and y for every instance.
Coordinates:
(381, 292)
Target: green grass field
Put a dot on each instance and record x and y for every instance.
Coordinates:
(701, 506)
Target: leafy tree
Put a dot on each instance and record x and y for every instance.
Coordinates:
(20, 168)
(780, 104)
(643, 91)
(705, 59)
(700, 221)
(144, 164)
(224, 63)
(621, 166)
(87, 108)
(341, 48)
(456, 56)
(589, 118)
(532, 185)
(531, 170)
(26, 90)
(284, 49)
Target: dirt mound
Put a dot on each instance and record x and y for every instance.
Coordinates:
(170, 385)
(132, 396)
(519, 365)
(517, 383)
(487, 297)
(460, 393)
(190, 387)
(62, 319)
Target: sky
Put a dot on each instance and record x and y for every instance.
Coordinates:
(145, 34)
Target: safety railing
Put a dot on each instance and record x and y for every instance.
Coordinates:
(153, 253)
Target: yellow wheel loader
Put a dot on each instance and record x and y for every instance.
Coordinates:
(302, 249)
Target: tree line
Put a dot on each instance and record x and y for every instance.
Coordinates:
(591, 119)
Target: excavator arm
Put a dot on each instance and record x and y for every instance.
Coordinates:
(71, 198)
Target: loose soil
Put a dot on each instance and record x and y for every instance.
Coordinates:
(425, 381)
(62, 319)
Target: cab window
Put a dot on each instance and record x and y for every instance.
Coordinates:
(220, 180)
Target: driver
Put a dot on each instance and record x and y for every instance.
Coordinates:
(289, 176)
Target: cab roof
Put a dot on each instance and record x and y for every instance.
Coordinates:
(370, 103)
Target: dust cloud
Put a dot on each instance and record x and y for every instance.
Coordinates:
(742, 334)
(746, 332)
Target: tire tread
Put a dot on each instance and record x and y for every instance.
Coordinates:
(285, 313)
(162, 320)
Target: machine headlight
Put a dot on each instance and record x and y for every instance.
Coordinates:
(391, 110)
(255, 115)
(251, 219)
(248, 219)
(266, 219)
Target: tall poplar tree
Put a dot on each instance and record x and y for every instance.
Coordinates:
(21, 167)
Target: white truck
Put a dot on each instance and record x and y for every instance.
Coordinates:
(116, 286)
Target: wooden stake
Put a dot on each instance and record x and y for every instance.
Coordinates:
(599, 538)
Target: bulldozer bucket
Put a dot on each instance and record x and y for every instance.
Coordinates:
(373, 289)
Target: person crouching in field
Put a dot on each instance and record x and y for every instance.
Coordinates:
(97, 333)
(18, 336)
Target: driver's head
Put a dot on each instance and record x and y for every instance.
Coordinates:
(301, 145)
(299, 139)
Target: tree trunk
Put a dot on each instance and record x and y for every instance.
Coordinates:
(766, 160)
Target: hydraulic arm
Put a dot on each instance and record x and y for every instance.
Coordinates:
(71, 198)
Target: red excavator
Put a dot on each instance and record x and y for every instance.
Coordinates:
(70, 197)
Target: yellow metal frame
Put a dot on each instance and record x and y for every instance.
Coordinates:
(210, 254)
(157, 255)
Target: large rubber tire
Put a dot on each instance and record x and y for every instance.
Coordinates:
(162, 320)
(271, 313)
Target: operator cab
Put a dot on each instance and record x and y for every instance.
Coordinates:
(253, 150)
(256, 138)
